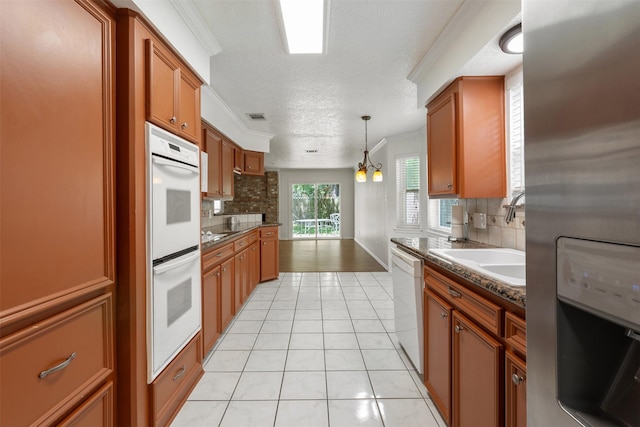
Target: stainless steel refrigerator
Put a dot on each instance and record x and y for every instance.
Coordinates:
(582, 153)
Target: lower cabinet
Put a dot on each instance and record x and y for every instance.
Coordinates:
(437, 352)
(227, 291)
(473, 356)
(48, 369)
(516, 391)
(172, 387)
(269, 254)
(211, 286)
(97, 410)
(254, 265)
(477, 375)
(242, 290)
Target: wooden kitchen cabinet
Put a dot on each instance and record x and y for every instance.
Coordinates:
(269, 253)
(171, 388)
(211, 291)
(212, 142)
(227, 292)
(515, 391)
(466, 139)
(253, 163)
(58, 137)
(476, 375)
(238, 160)
(227, 166)
(173, 93)
(437, 352)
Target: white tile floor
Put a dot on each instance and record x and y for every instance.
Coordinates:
(312, 349)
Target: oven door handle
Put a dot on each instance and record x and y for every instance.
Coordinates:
(163, 268)
(164, 162)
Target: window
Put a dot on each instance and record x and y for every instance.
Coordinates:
(516, 140)
(440, 214)
(408, 191)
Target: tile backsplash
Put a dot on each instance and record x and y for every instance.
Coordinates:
(498, 232)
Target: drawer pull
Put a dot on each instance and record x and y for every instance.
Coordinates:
(180, 373)
(517, 379)
(185, 125)
(172, 120)
(269, 233)
(443, 315)
(454, 293)
(58, 367)
(219, 254)
(458, 328)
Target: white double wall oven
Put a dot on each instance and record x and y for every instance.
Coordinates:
(173, 246)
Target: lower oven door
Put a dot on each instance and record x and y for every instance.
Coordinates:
(174, 309)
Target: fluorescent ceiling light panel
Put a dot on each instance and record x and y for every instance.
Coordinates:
(303, 25)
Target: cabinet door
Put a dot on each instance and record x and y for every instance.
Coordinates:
(241, 278)
(228, 159)
(213, 144)
(163, 75)
(238, 159)
(189, 113)
(211, 281)
(227, 306)
(253, 163)
(516, 391)
(269, 259)
(437, 352)
(477, 375)
(441, 146)
(254, 266)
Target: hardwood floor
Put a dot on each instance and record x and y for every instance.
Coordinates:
(325, 255)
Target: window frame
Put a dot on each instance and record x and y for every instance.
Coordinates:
(402, 191)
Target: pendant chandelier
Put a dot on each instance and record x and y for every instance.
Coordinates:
(361, 174)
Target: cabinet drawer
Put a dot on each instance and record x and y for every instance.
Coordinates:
(95, 411)
(215, 255)
(268, 232)
(253, 237)
(484, 312)
(172, 386)
(49, 367)
(516, 332)
(240, 244)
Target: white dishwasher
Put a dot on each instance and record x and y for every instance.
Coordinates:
(406, 272)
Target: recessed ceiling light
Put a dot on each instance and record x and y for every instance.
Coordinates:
(512, 40)
(303, 25)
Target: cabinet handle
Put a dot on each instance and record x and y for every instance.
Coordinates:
(172, 120)
(443, 315)
(449, 186)
(185, 125)
(224, 269)
(58, 367)
(180, 373)
(517, 379)
(217, 274)
(458, 328)
(454, 293)
(219, 254)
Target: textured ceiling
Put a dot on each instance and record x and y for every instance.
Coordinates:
(314, 102)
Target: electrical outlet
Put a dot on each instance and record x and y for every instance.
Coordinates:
(480, 220)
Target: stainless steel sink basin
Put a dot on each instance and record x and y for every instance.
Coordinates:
(505, 265)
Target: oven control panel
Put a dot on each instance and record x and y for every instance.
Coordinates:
(601, 277)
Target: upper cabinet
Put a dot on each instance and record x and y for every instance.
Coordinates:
(466, 139)
(172, 93)
(212, 145)
(253, 163)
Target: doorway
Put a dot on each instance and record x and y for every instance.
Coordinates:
(315, 211)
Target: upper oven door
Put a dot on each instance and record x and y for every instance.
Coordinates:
(175, 207)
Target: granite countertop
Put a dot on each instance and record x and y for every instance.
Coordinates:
(419, 246)
(235, 231)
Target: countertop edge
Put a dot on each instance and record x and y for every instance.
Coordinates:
(419, 248)
(236, 231)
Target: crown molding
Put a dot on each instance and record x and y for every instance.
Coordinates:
(192, 17)
(465, 13)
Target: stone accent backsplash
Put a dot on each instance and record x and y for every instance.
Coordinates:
(498, 232)
(253, 195)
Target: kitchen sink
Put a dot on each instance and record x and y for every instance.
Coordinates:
(483, 256)
(505, 265)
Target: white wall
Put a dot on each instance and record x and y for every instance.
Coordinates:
(375, 203)
(344, 177)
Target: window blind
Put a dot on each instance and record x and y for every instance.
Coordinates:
(516, 139)
(408, 191)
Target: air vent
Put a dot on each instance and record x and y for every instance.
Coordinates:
(256, 116)
(310, 151)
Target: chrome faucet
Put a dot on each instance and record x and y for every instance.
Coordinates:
(510, 214)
